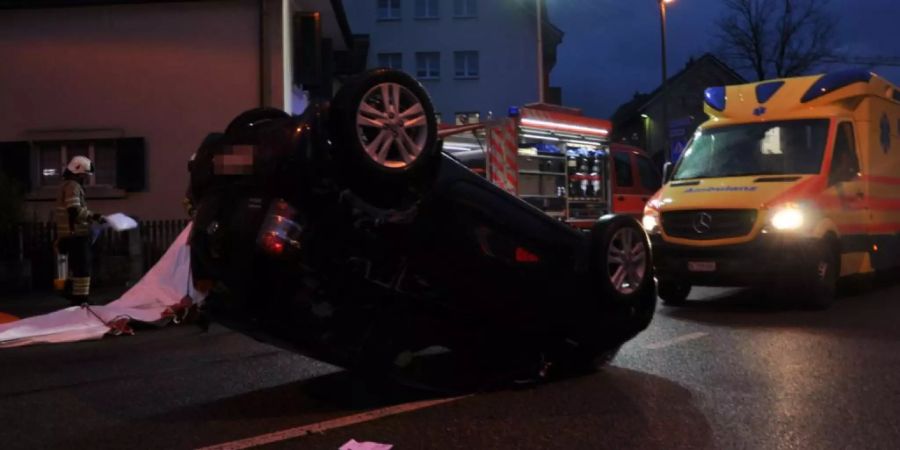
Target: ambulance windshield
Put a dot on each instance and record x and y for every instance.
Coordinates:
(765, 148)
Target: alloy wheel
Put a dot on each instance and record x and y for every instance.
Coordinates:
(626, 261)
(391, 125)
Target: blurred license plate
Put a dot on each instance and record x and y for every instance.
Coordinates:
(236, 160)
(702, 266)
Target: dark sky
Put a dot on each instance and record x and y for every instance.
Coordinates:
(611, 48)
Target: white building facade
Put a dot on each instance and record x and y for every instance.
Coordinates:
(475, 57)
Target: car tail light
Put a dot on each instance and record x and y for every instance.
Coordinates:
(280, 234)
(525, 256)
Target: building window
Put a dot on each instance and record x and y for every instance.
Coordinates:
(388, 9)
(465, 8)
(427, 9)
(391, 60)
(465, 64)
(428, 65)
(53, 156)
(465, 118)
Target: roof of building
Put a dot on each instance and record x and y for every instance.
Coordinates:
(641, 101)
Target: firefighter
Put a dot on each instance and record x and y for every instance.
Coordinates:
(73, 220)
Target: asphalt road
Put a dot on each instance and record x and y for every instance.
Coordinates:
(726, 371)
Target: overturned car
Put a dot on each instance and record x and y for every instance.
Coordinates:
(348, 235)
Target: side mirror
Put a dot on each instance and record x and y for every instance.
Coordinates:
(667, 172)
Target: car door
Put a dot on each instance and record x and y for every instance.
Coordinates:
(626, 192)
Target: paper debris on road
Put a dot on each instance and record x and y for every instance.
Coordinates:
(353, 445)
(120, 222)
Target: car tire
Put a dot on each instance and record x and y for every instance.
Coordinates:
(624, 265)
(385, 149)
(673, 293)
(818, 284)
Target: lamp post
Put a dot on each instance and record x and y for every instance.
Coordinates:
(540, 49)
(665, 80)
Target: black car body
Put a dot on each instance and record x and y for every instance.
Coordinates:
(354, 263)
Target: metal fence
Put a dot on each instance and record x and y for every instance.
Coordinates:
(118, 257)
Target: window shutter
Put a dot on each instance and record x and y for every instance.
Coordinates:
(15, 162)
(131, 166)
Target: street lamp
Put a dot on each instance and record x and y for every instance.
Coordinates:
(665, 79)
(540, 49)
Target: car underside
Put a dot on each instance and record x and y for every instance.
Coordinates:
(346, 234)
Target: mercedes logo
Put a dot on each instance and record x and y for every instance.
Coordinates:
(702, 223)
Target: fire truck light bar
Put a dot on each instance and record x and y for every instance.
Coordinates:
(594, 144)
(544, 137)
(564, 126)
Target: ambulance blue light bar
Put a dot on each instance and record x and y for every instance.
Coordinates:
(715, 97)
(765, 91)
(834, 81)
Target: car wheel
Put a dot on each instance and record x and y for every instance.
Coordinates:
(673, 293)
(818, 286)
(623, 264)
(385, 133)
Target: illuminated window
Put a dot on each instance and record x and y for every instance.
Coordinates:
(427, 9)
(428, 65)
(465, 64)
(54, 156)
(390, 60)
(388, 9)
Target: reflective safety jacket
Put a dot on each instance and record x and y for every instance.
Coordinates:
(72, 216)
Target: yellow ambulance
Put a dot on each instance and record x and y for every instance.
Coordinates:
(790, 185)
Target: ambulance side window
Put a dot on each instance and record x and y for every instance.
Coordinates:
(624, 177)
(844, 162)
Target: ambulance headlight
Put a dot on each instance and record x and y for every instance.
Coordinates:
(788, 218)
(651, 223)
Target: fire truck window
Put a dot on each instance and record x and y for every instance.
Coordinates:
(844, 163)
(623, 169)
(650, 178)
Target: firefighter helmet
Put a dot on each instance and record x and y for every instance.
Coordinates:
(81, 164)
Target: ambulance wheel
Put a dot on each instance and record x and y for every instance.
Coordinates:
(818, 285)
(624, 267)
(385, 135)
(673, 293)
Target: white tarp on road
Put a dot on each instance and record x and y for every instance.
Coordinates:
(165, 291)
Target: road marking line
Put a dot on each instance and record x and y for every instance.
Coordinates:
(674, 341)
(321, 427)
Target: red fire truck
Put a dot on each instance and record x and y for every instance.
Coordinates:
(558, 160)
